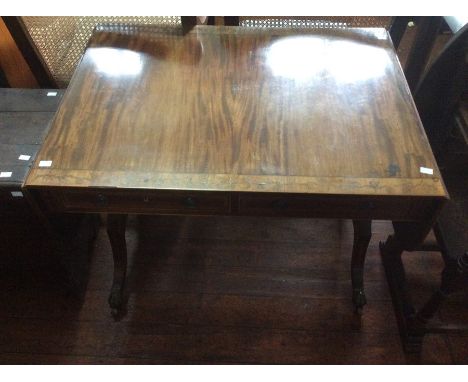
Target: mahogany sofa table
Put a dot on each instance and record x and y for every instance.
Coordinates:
(241, 121)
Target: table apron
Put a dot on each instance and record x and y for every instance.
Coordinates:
(178, 202)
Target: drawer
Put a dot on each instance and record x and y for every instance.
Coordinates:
(141, 201)
(330, 206)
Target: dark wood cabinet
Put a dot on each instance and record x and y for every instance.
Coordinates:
(26, 233)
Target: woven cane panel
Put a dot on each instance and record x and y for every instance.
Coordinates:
(61, 40)
(315, 21)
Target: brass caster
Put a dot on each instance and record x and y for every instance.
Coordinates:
(359, 300)
(358, 310)
(116, 299)
(115, 313)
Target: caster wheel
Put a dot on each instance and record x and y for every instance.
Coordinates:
(359, 300)
(115, 313)
(116, 299)
(358, 310)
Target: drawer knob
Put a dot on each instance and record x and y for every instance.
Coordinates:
(280, 204)
(146, 199)
(189, 202)
(101, 199)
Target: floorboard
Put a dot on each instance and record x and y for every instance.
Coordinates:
(219, 290)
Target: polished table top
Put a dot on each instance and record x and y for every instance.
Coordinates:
(324, 111)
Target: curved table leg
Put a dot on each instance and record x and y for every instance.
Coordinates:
(455, 270)
(408, 236)
(362, 236)
(116, 232)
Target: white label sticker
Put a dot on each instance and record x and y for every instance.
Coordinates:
(45, 163)
(425, 170)
(24, 157)
(51, 94)
(17, 194)
(5, 174)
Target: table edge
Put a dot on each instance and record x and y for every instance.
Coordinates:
(391, 186)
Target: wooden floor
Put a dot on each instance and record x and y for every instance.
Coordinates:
(220, 290)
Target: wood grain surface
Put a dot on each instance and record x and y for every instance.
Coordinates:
(220, 290)
(16, 69)
(324, 111)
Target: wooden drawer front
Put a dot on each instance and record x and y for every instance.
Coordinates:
(329, 207)
(140, 201)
